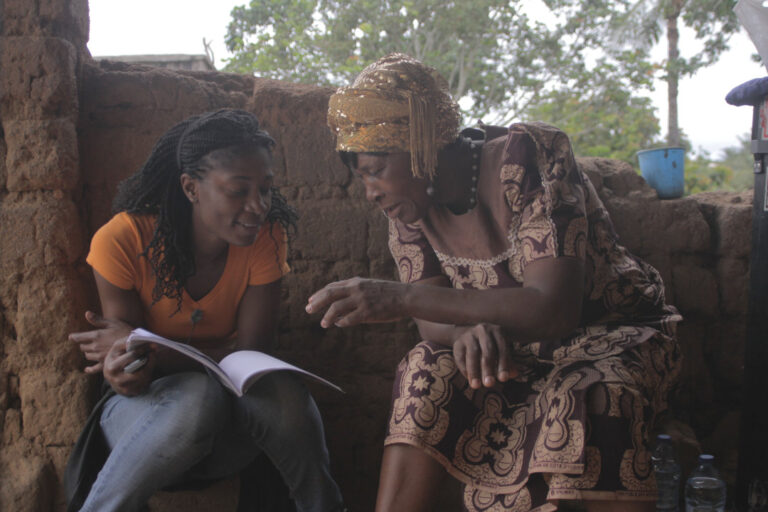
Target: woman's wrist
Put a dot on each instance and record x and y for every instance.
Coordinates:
(407, 300)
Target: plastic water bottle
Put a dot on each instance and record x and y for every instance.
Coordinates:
(667, 472)
(705, 490)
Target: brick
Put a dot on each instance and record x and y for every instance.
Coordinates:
(47, 18)
(41, 155)
(39, 230)
(695, 290)
(38, 79)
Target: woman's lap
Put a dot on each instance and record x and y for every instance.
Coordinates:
(277, 403)
(196, 401)
(191, 399)
(188, 428)
(576, 431)
(154, 438)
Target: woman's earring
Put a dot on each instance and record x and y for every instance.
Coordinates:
(430, 190)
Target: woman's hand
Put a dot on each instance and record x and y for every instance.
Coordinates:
(359, 301)
(95, 344)
(482, 356)
(125, 383)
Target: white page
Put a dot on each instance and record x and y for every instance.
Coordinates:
(141, 336)
(236, 371)
(246, 366)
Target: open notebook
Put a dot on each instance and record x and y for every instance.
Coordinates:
(237, 371)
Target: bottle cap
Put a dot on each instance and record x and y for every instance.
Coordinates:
(705, 457)
(664, 438)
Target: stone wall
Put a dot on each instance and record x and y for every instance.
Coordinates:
(42, 294)
(71, 129)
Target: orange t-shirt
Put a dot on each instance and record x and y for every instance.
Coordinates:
(115, 255)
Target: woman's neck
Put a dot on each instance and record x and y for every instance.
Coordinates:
(207, 255)
(207, 248)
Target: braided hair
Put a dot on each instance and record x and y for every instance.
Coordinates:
(156, 189)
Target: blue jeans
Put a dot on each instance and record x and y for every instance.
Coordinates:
(187, 426)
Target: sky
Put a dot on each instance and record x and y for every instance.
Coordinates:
(143, 27)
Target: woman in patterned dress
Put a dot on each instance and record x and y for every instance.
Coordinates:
(548, 348)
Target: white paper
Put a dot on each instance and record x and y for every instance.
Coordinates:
(237, 371)
(245, 367)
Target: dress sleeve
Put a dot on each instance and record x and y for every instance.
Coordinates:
(268, 259)
(413, 255)
(545, 191)
(115, 250)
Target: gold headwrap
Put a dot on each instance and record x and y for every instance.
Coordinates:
(396, 104)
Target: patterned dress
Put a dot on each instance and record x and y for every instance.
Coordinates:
(574, 424)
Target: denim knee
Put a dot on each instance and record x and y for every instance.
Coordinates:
(198, 404)
(156, 437)
(282, 418)
(281, 402)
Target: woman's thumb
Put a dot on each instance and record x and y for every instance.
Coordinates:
(94, 319)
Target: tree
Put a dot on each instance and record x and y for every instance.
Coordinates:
(610, 122)
(704, 175)
(330, 41)
(642, 22)
(495, 58)
(732, 172)
(741, 161)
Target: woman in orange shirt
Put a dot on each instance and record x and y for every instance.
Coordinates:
(196, 253)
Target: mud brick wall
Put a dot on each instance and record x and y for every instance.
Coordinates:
(73, 128)
(42, 293)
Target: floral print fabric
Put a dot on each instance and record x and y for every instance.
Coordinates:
(574, 424)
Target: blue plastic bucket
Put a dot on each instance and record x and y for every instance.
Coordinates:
(662, 168)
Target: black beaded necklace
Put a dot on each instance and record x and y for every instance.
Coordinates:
(476, 151)
(475, 148)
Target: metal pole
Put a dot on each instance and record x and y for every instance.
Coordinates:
(752, 477)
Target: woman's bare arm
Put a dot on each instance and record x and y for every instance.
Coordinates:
(547, 306)
(442, 333)
(257, 317)
(121, 312)
(119, 304)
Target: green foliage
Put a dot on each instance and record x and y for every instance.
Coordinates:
(732, 172)
(641, 24)
(500, 62)
(609, 122)
(644, 22)
(329, 41)
(741, 161)
(584, 72)
(703, 175)
(279, 37)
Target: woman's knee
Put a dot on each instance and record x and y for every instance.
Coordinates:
(190, 408)
(198, 401)
(191, 387)
(281, 400)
